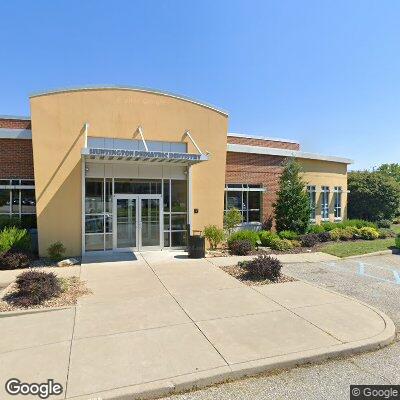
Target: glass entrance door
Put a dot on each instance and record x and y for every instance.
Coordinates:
(137, 222)
(125, 223)
(150, 222)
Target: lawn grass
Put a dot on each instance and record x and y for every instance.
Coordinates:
(396, 228)
(346, 249)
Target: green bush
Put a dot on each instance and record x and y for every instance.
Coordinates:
(232, 218)
(386, 233)
(214, 235)
(14, 239)
(263, 267)
(316, 229)
(6, 221)
(348, 233)
(369, 233)
(329, 226)
(281, 244)
(244, 235)
(358, 223)
(290, 235)
(384, 223)
(266, 237)
(56, 251)
(241, 247)
(397, 241)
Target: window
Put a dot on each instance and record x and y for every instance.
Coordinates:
(325, 202)
(246, 198)
(17, 200)
(338, 202)
(98, 214)
(312, 196)
(175, 212)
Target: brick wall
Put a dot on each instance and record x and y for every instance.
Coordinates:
(263, 143)
(16, 156)
(256, 169)
(16, 159)
(10, 123)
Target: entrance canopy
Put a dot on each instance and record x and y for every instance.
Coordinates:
(93, 153)
(140, 150)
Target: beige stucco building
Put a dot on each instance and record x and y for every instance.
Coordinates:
(127, 168)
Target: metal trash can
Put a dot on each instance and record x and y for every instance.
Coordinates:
(196, 245)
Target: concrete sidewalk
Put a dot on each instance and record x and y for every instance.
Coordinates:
(161, 323)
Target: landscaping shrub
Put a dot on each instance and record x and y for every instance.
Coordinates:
(34, 287)
(351, 232)
(329, 226)
(309, 240)
(358, 223)
(244, 235)
(14, 239)
(295, 243)
(324, 237)
(290, 235)
(386, 233)
(397, 241)
(384, 223)
(214, 235)
(56, 251)
(396, 220)
(316, 229)
(232, 218)
(241, 247)
(263, 267)
(369, 233)
(8, 222)
(266, 237)
(281, 244)
(14, 260)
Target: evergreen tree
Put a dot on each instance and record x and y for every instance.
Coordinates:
(292, 207)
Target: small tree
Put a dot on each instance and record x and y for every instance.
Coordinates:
(292, 207)
(214, 235)
(232, 218)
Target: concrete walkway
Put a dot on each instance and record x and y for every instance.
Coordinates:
(158, 323)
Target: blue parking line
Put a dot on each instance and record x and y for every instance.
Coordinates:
(361, 272)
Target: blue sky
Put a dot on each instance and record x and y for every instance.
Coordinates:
(325, 73)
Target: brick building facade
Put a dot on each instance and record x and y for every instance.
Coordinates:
(16, 156)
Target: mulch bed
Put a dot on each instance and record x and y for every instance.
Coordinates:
(73, 289)
(241, 274)
(264, 250)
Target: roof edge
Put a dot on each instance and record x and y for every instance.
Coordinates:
(20, 117)
(272, 139)
(132, 88)
(243, 148)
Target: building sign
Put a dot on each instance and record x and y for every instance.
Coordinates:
(144, 154)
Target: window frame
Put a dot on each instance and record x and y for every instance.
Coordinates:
(312, 194)
(337, 203)
(17, 185)
(245, 189)
(325, 190)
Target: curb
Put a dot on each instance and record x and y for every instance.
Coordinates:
(375, 253)
(227, 373)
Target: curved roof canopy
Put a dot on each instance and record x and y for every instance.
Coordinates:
(132, 88)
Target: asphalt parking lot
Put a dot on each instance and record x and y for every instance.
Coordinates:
(374, 280)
